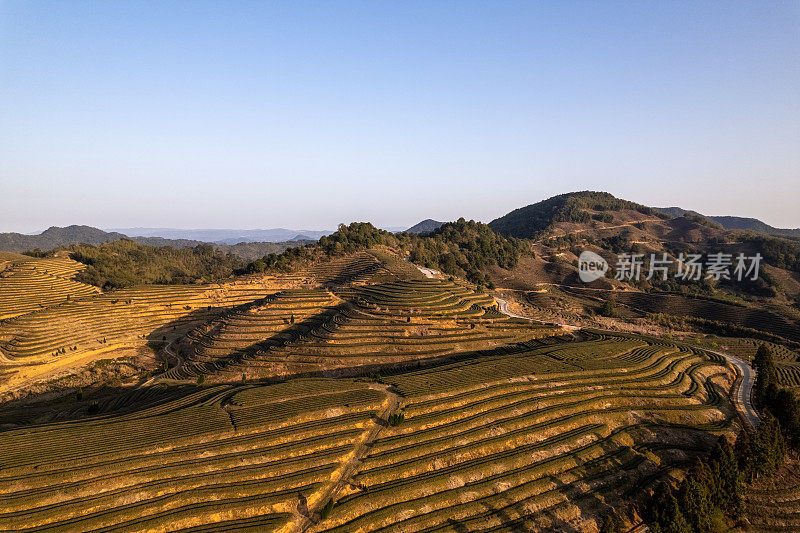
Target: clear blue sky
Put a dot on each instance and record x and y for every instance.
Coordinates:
(305, 114)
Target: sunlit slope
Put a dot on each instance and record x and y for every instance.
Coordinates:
(253, 327)
(388, 323)
(357, 268)
(123, 314)
(30, 284)
(231, 457)
(63, 336)
(535, 441)
(547, 436)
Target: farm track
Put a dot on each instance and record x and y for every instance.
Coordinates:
(351, 466)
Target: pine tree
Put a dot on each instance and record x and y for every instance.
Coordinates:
(766, 376)
(787, 410)
(610, 525)
(695, 500)
(674, 520)
(728, 491)
(767, 447)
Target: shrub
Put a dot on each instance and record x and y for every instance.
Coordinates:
(326, 511)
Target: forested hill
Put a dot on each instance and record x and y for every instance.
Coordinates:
(535, 220)
(464, 248)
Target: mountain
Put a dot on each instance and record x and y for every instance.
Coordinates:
(675, 212)
(570, 209)
(731, 222)
(56, 237)
(426, 226)
(225, 236)
(753, 224)
(250, 251)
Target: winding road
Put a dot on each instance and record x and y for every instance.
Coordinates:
(744, 389)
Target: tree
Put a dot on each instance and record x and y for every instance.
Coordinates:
(786, 409)
(766, 376)
(767, 446)
(695, 498)
(743, 452)
(727, 493)
(610, 524)
(674, 519)
(608, 309)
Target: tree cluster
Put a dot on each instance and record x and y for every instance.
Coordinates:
(466, 248)
(778, 252)
(463, 248)
(780, 402)
(711, 490)
(125, 263)
(345, 240)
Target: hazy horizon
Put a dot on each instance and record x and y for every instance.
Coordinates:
(398, 227)
(253, 115)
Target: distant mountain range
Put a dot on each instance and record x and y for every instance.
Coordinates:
(225, 236)
(55, 237)
(741, 223)
(526, 222)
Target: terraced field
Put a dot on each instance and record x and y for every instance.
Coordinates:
(748, 317)
(223, 458)
(37, 343)
(389, 323)
(423, 408)
(358, 268)
(774, 505)
(253, 327)
(117, 316)
(30, 284)
(535, 437)
(746, 349)
(535, 441)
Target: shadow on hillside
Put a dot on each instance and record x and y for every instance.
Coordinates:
(294, 332)
(105, 399)
(349, 275)
(183, 324)
(90, 402)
